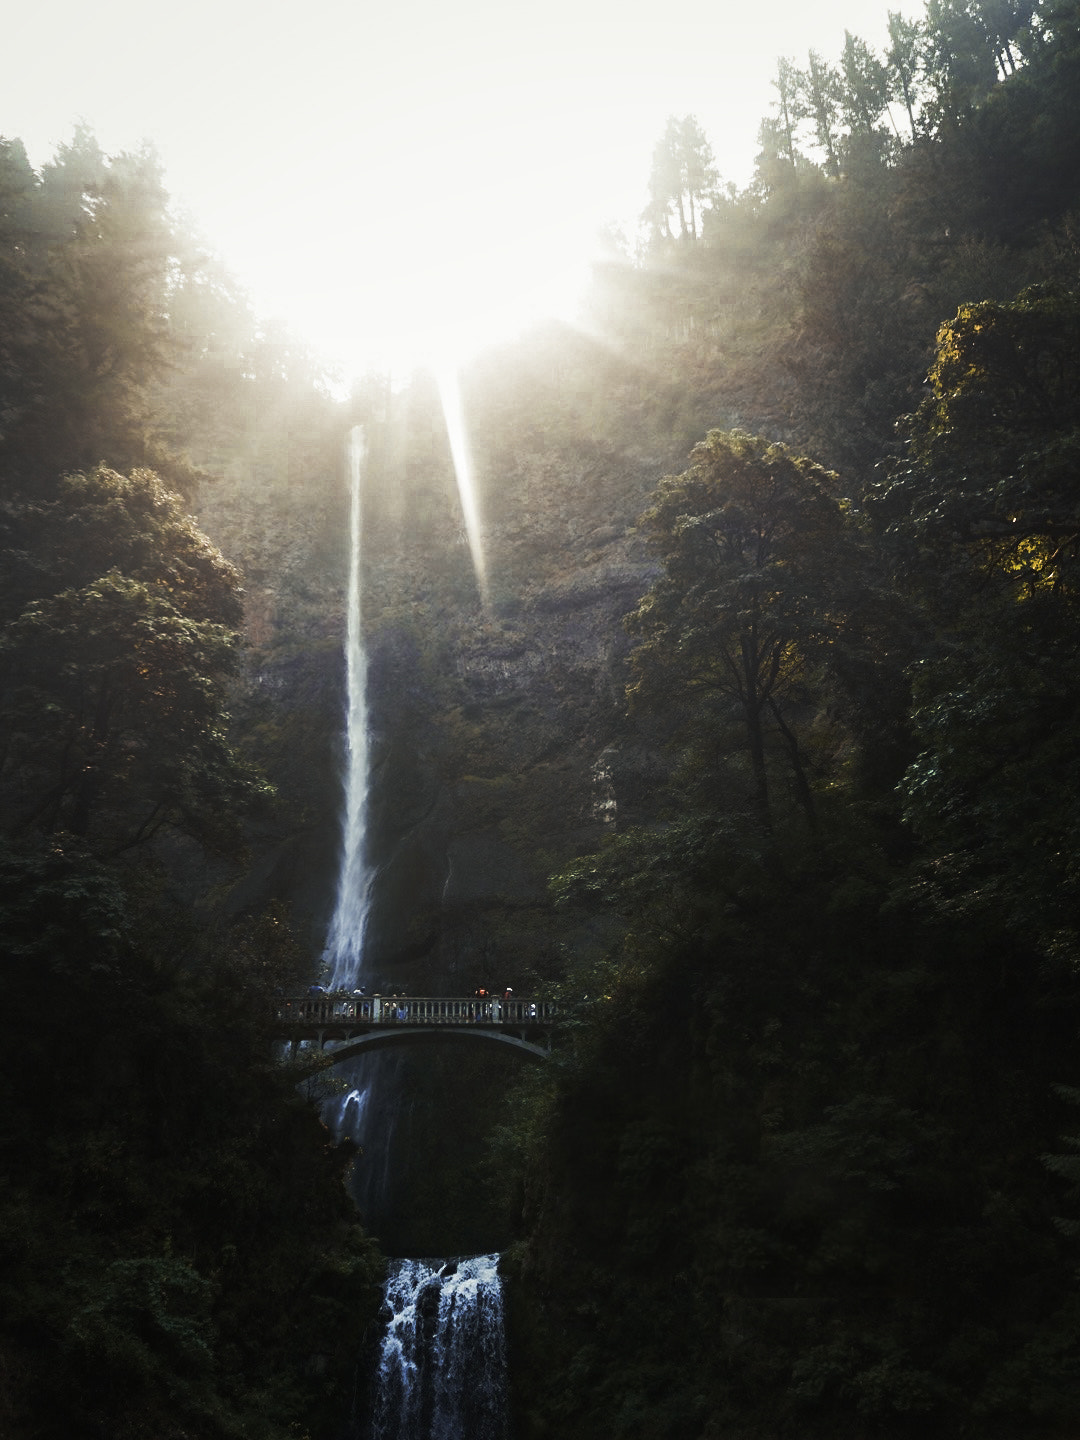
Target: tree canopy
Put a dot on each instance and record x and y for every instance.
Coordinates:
(763, 578)
(116, 657)
(148, 1285)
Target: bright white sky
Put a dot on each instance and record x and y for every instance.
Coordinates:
(389, 177)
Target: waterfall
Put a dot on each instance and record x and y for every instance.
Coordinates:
(441, 1372)
(370, 1114)
(344, 950)
(357, 1114)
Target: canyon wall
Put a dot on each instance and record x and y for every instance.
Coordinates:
(501, 741)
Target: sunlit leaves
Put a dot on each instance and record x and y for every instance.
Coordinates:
(986, 506)
(993, 450)
(134, 524)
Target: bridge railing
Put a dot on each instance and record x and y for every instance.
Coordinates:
(337, 1008)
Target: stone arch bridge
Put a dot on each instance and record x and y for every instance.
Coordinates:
(341, 1024)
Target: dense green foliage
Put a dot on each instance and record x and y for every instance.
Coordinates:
(178, 1255)
(764, 590)
(804, 1165)
(805, 1162)
(116, 650)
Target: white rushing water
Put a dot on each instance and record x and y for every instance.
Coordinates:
(442, 1366)
(355, 1113)
(344, 950)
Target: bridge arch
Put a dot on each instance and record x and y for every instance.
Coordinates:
(382, 1039)
(345, 1025)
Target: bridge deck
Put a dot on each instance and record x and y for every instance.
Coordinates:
(342, 1015)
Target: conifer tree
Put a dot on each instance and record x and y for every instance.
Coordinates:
(683, 179)
(902, 63)
(822, 95)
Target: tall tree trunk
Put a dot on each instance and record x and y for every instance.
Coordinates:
(754, 688)
(798, 770)
(756, 743)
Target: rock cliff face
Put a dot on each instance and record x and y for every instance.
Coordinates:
(501, 743)
(501, 746)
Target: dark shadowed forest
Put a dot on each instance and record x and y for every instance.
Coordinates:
(762, 760)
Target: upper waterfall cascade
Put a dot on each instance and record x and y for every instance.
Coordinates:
(344, 952)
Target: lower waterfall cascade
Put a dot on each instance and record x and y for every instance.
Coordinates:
(441, 1371)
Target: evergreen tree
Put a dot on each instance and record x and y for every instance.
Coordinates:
(863, 95)
(683, 179)
(822, 93)
(958, 60)
(790, 87)
(903, 64)
(86, 329)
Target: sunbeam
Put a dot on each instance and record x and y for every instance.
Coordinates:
(446, 378)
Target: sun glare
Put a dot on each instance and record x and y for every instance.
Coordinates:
(425, 299)
(402, 311)
(449, 312)
(393, 276)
